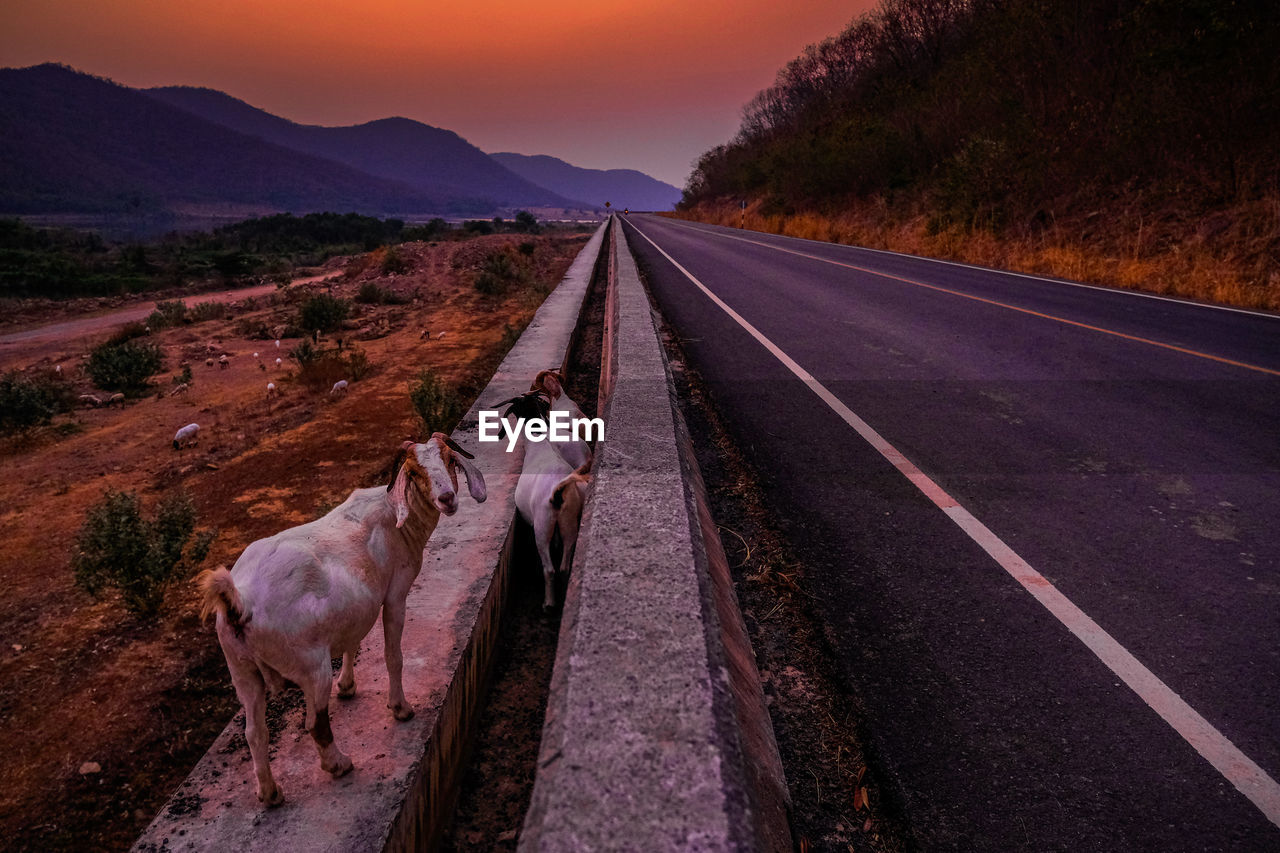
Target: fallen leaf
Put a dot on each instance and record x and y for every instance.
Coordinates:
(860, 800)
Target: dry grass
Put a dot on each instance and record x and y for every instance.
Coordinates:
(1231, 257)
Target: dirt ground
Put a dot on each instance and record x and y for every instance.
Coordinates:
(84, 681)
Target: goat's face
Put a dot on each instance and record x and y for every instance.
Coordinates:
(432, 466)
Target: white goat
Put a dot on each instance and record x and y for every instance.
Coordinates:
(551, 383)
(188, 435)
(279, 362)
(339, 388)
(223, 362)
(90, 400)
(271, 390)
(115, 398)
(180, 389)
(297, 598)
(549, 494)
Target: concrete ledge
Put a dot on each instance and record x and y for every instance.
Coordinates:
(656, 736)
(404, 782)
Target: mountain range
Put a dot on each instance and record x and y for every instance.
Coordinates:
(74, 143)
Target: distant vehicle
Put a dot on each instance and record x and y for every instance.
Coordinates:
(626, 210)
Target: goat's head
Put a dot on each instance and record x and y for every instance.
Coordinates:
(531, 405)
(550, 382)
(432, 467)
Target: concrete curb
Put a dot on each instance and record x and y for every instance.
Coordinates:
(404, 784)
(656, 736)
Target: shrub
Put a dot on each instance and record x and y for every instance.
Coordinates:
(28, 401)
(478, 226)
(319, 368)
(526, 222)
(323, 312)
(498, 273)
(125, 366)
(117, 547)
(171, 313)
(127, 332)
(211, 311)
(371, 294)
(185, 377)
(394, 263)
(437, 405)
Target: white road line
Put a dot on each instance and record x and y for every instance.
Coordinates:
(1238, 769)
(1114, 290)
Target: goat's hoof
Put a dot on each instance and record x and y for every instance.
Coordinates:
(341, 767)
(402, 712)
(273, 799)
(346, 692)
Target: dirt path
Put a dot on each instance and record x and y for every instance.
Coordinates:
(71, 330)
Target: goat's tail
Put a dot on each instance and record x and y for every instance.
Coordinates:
(569, 493)
(221, 596)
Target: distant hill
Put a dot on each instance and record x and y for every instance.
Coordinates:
(71, 142)
(623, 188)
(427, 158)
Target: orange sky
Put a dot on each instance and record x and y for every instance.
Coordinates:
(600, 83)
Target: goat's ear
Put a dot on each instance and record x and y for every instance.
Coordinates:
(551, 382)
(475, 480)
(398, 488)
(399, 460)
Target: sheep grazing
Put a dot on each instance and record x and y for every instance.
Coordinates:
(294, 599)
(425, 335)
(272, 391)
(182, 388)
(279, 362)
(115, 398)
(58, 370)
(440, 337)
(277, 343)
(187, 436)
(551, 383)
(255, 355)
(339, 388)
(549, 494)
(90, 400)
(223, 362)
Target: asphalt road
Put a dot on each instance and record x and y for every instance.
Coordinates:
(1126, 448)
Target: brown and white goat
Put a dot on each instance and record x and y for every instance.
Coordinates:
(296, 599)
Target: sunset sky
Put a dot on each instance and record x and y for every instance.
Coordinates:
(600, 83)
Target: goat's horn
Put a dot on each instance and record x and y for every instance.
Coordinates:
(453, 445)
(395, 466)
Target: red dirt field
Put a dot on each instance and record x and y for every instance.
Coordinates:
(85, 681)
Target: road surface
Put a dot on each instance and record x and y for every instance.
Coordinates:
(1040, 521)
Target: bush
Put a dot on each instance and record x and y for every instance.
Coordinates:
(117, 547)
(371, 294)
(394, 263)
(210, 311)
(167, 314)
(478, 226)
(323, 312)
(319, 368)
(498, 273)
(526, 223)
(28, 401)
(125, 366)
(437, 405)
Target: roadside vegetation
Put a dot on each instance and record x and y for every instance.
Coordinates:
(59, 263)
(1129, 143)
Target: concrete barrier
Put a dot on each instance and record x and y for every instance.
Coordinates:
(404, 783)
(656, 736)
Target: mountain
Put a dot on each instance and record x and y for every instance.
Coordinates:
(623, 188)
(401, 149)
(71, 142)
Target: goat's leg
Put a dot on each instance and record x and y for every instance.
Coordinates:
(318, 684)
(347, 678)
(392, 628)
(548, 571)
(252, 691)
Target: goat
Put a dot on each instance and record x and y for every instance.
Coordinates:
(549, 494)
(271, 390)
(188, 435)
(90, 400)
(223, 362)
(180, 389)
(339, 388)
(115, 398)
(440, 337)
(294, 599)
(208, 362)
(279, 362)
(551, 383)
